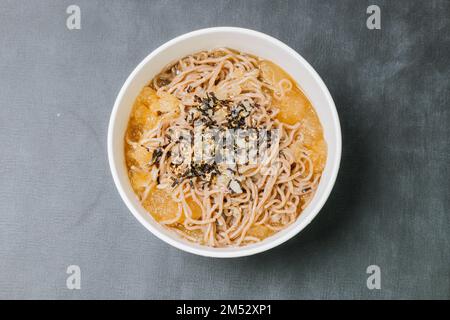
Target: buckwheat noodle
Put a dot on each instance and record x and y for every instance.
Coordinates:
(267, 202)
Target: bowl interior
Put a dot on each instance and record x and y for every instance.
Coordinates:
(247, 41)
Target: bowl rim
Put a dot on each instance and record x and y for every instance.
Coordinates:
(245, 250)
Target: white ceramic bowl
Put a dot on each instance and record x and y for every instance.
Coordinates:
(244, 40)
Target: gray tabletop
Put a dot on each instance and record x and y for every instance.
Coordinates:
(389, 208)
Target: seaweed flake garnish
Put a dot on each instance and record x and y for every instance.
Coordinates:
(156, 156)
(208, 112)
(205, 172)
(238, 114)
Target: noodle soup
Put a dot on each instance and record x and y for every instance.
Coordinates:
(228, 198)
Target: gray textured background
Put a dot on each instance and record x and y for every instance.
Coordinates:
(390, 205)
